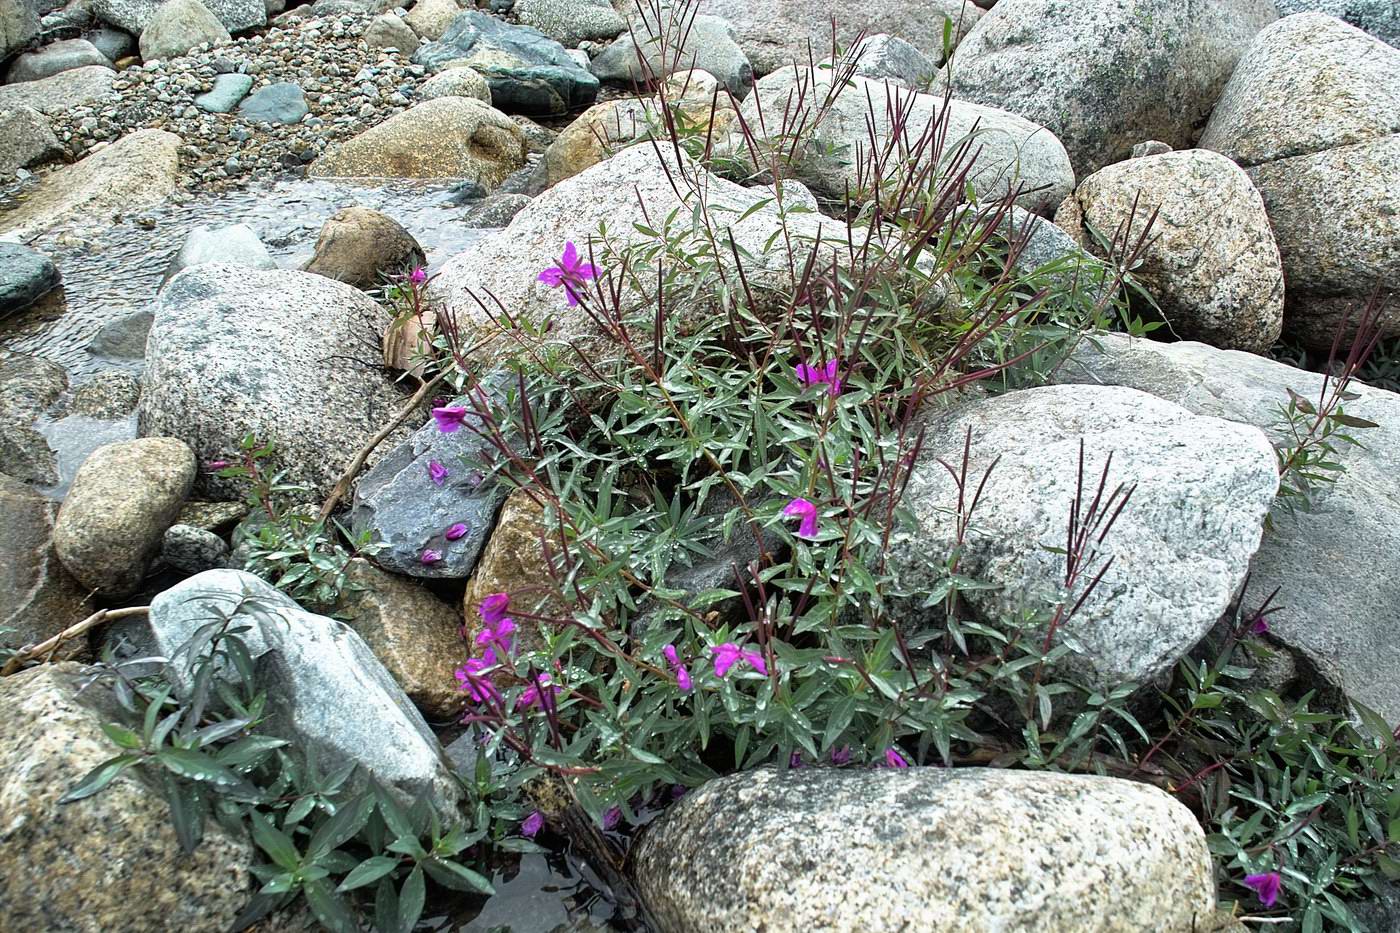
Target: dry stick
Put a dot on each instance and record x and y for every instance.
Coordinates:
(342, 485)
(73, 631)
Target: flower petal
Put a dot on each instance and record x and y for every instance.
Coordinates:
(456, 531)
(493, 608)
(569, 261)
(553, 276)
(532, 825)
(726, 655)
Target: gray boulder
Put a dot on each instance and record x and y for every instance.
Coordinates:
(25, 139)
(228, 90)
(901, 849)
(134, 16)
(225, 358)
(528, 71)
(275, 103)
(192, 550)
(235, 244)
(1063, 66)
(456, 82)
(644, 55)
(387, 31)
(570, 22)
(124, 497)
(112, 43)
(326, 690)
(55, 95)
(58, 56)
(430, 18)
(408, 514)
(18, 25)
(123, 338)
(26, 275)
(29, 387)
(363, 248)
(1381, 18)
(38, 597)
(1338, 566)
(1180, 549)
(889, 58)
(108, 396)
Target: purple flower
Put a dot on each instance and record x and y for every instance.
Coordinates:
(612, 817)
(493, 608)
(841, 756)
(459, 530)
(795, 761)
(418, 276)
(571, 273)
(436, 472)
(1266, 886)
(449, 417)
(728, 654)
(531, 696)
(500, 635)
(429, 556)
(894, 759)
(1259, 626)
(805, 510)
(470, 679)
(677, 668)
(678, 791)
(216, 465)
(808, 376)
(532, 825)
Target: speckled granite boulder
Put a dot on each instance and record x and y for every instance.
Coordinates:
(1180, 549)
(49, 60)
(456, 82)
(109, 863)
(362, 247)
(192, 550)
(226, 358)
(178, 26)
(884, 57)
(1104, 74)
(1212, 263)
(430, 18)
(970, 850)
(325, 688)
(18, 25)
(710, 45)
(38, 597)
(108, 396)
(412, 633)
(134, 15)
(25, 138)
(388, 31)
(1381, 18)
(448, 137)
(124, 497)
(570, 22)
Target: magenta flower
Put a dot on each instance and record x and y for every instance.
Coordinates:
(1259, 626)
(436, 472)
(469, 678)
(677, 668)
(418, 276)
(500, 635)
(802, 508)
(459, 530)
(531, 696)
(571, 273)
(430, 556)
(841, 756)
(532, 825)
(449, 417)
(214, 466)
(729, 654)
(612, 818)
(894, 759)
(1266, 886)
(493, 608)
(795, 761)
(808, 376)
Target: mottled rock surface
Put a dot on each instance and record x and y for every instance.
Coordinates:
(362, 247)
(18, 25)
(388, 31)
(513, 563)
(177, 26)
(29, 386)
(1180, 549)
(134, 15)
(972, 850)
(192, 550)
(38, 597)
(1212, 263)
(110, 862)
(710, 45)
(26, 275)
(570, 22)
(1381, 18)
(57, 56)
(456, 82)
(25, 138)
(124, 497)
(55, 95)
(430, 18)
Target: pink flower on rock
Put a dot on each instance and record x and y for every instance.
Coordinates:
(808, 376)
(429, 556)
(493, 608)
(418, 276)
(894, 759)
(807, 512)
(449, 417)
(1259, 626)
(437, 472)
(571, 273)
(1265, 886)
(729, 654)
(454, 532)
(677, 668)
(532, 825)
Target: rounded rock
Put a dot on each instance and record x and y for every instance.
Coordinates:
(362, 247)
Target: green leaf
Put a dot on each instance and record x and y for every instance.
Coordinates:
(121, 735)
(339, 828)
(368, 872)
(455, 875)
(197, 766)
(99, 777)
(278, 846)
(412, 896)
(328, 908)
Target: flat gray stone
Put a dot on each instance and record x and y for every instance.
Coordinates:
(123, 338)
(570, 22)
(55, 96)
(235, 244)
(26, 275)
(710, 45)
(276, 103)
(63, 55)
(25, 138)
(228, 90)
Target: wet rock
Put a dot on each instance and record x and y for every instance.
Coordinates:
(412, 633)
(362, 247)
(54, 96)
(570, 22)
(1381, 18)
(192, 550)
(134, 16)
(38, 597)
(388, 31)
(495, 211)
(235, 245)
(18, 25)
(135, 172)
(124, 497)
(123, 338)
(122, 867)
(227, 92)
(450, 137)
(893, 849)
(776, 33)
(889, 58)
(1180, 549)
(29, 386)
(107, 397)
(430, 18)
(408, 514)
(456, 82)
(26, 275)
(325, 688)
(528, 71)
(710, 45)
(513, 563)
(1307, 84)
(1063, 65)
(1337, 566)
(226, 359)
(1212, 263)
(1013, 150)
(26, 455)
(25, 139)
(58, 56)
(276, 103)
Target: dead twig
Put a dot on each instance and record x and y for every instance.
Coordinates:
(48, 646)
